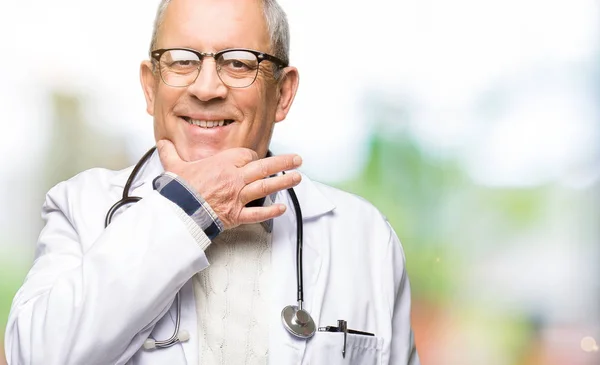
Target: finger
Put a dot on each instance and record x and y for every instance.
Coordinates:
(263, 187)
(168, 154)
(241, 156)
(262, 168)
(261, 214)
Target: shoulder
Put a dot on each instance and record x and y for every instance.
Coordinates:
(89, 183)
(357, 231)
(353, 214)
(82, 201)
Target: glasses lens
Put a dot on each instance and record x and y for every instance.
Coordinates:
(237, 68)
(179, 67)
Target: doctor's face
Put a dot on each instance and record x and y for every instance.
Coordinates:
(207, 116)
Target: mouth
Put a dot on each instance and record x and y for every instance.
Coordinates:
(208, 124)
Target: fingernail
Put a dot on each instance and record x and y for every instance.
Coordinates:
(297, 178)
(282, 208)
(297, 160)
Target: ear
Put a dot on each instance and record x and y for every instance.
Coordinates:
(149, 85)
(287, 87)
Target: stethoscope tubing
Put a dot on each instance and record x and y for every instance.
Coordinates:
(299, 241)
(126, 199)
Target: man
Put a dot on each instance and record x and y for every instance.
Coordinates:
(217, 82)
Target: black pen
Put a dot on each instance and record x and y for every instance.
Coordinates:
(343, 327)
(336, 329)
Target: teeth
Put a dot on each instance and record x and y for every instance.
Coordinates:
(206, 123)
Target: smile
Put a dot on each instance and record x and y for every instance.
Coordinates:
(208, 123)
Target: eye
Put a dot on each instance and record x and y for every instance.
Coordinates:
(238, 62)
(237, 65)
(183, 64)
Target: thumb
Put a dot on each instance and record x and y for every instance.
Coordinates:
(168, 154)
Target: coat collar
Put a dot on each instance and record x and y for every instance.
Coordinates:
(313, 202)
(149, 171)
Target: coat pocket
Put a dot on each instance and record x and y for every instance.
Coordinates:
(325, 348)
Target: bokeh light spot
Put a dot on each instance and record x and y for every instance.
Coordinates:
(588, 344)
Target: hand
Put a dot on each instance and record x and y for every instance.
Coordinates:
(232, 178)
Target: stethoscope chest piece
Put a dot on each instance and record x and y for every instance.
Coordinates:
(298, 322)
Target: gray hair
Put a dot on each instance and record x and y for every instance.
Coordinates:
(276, 20)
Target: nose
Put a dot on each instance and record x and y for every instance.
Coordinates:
(208, 85)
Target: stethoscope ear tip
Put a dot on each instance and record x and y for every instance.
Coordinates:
(149, 344)
(183, 336)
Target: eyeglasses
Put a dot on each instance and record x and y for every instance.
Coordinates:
(237, 68)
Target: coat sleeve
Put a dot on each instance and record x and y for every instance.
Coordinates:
(402, 348)
(97, 305)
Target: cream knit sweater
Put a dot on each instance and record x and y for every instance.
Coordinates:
(232, 297)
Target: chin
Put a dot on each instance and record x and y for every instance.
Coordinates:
(195, 153)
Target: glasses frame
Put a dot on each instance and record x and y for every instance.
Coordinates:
(260, 56)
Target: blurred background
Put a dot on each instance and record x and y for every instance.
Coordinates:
(474, 126)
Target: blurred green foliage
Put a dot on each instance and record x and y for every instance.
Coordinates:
(441, 216)
(12, 273)
(409, 188)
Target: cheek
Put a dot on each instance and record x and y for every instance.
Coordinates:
(164, 124)
(250, 102)
(262, 101)
(166, 98)
(270, 105)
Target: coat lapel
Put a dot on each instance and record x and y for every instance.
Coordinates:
(285, 348)
(189, 322)
(142, 186)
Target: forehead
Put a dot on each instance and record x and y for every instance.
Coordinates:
(212, 25)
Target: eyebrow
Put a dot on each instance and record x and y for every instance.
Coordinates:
(215, 50)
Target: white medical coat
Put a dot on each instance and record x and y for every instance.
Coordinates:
(94, 295)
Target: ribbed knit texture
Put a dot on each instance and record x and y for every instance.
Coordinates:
(232, 298)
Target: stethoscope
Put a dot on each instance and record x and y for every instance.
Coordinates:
(295, 318)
